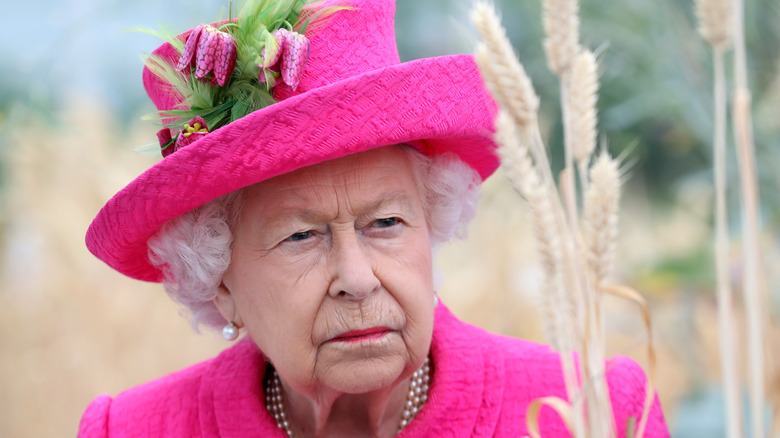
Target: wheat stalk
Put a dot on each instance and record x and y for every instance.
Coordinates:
(600, 234)
(754, 302)
(723, 281)
(557, 306)
(505, 77)
(599, 240)
(566, 276)
(751, 260)
(561, 45)
(715, 26)
(572, 302)
(563, 408)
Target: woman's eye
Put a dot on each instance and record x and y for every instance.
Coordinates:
(387, 222)
(303, 235)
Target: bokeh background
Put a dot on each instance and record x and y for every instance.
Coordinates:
(71, 103)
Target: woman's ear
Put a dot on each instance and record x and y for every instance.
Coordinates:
(226, 304)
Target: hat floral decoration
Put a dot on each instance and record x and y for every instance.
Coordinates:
(230, 69)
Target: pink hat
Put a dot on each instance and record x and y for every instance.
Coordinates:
(353, 95)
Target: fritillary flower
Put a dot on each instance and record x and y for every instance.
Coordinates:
(286, 53)
(272, 50)
(209, 50)
(193, 131)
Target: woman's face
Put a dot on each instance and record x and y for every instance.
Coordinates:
(331, 273)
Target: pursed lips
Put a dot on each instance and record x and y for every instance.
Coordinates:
(361, 334)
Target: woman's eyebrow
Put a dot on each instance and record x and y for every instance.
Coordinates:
(388, 198)
(292, 213)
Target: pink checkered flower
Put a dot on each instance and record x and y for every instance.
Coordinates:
(286, 53)
(209, 50)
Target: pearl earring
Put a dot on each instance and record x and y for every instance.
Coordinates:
(435, 300)
(230, 331)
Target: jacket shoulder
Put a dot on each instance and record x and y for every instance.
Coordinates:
(630, 392)
(167, 406)
(533, 371)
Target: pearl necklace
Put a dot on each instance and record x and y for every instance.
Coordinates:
(415, 398)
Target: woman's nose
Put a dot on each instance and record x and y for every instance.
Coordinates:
(352, 269)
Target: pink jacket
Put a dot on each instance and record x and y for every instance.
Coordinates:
(482, 385)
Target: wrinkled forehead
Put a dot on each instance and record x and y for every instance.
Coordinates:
(363, 181)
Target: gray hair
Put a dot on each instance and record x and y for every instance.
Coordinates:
(193, 250)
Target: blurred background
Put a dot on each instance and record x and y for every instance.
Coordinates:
(71, 102)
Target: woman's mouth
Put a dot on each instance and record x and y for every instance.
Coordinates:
(361, 335)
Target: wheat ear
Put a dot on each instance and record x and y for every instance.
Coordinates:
(601, 216)
(509, 84)
(582, 98)
(505, 76)
(562, 33)
(561, 46)
(514, 156)
(716, 21)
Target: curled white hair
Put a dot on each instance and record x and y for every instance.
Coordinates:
(451, 192)
(194, 250)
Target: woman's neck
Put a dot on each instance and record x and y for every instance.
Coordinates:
(373, 414)
(328, 413)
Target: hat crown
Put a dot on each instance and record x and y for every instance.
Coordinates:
(354, 95)
(352, 42)
(349, 43)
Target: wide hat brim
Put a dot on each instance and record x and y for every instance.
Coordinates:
(441, 101)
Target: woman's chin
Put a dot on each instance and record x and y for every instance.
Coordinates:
(364, 376)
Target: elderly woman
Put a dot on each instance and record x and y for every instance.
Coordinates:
(300, 204)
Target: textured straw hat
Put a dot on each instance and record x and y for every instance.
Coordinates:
(352, 94)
